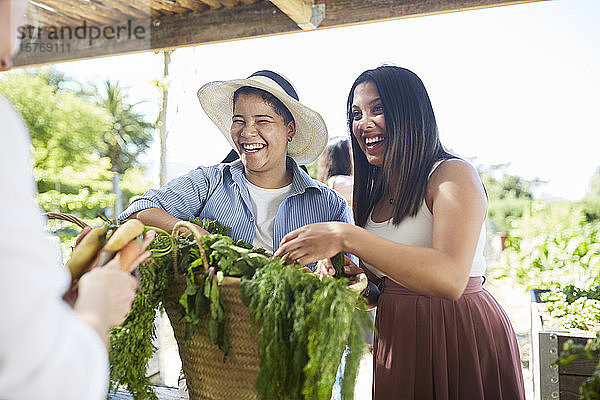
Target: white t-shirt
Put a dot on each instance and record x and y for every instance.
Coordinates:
(46, 352)
(265, 203)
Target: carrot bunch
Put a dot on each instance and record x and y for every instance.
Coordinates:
(103, 243)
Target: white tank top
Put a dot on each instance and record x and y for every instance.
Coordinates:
(418, 231)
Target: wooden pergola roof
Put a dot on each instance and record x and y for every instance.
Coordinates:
(60, 30)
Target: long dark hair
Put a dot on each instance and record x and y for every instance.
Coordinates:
(335, 159)
(412, 145)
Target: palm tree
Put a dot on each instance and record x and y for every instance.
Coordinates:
(129, 136)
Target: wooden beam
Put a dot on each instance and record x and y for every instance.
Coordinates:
(123, 7)
(229, 3)
(245, 21)
(349, 12)
(194, 5)
(37, 16)
(222, 24)
(143, 6)
(212, 3)
(167, 7)
(299, 11)
(84, 10)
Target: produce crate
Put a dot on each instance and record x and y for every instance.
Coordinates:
(552, 381)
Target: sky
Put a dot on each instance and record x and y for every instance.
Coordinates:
(515, 84)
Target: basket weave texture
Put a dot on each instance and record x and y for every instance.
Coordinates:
(209, 374)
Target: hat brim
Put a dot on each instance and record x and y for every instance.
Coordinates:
(216, 99)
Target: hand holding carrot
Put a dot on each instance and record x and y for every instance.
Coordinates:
(105, 294)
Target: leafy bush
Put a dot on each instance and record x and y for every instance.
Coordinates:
(591, 208)
(574, 308)
(68, 136)
(502, 212)
(553, 245)
(580, 309)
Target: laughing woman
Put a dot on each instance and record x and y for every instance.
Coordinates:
(420, 236)
(263, 195)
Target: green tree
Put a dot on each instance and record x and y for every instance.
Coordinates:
(65, 130)
(67, 133)
(128, 136)
(507, 186)
(509, 196)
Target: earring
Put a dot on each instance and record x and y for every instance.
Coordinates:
(290, 140)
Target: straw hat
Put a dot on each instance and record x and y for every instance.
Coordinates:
(216, 98)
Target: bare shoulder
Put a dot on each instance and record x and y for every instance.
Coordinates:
(456, 176)
(455, 170)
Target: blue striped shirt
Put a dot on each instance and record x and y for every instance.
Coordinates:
(219, 192)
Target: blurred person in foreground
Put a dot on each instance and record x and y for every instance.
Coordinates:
(48, 350)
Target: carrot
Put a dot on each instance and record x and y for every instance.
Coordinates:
(127, 255)
(86, 251)
(124, 234)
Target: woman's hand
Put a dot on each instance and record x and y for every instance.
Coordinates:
(313, 242)
(350, 268)
(105, 295)
(325, 267)
(139, 258)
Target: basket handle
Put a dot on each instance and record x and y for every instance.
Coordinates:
(66, 217)
(197, 237)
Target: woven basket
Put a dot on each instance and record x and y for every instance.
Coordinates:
(208, 374)
(66, 217)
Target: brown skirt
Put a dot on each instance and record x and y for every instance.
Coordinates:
(432, 348)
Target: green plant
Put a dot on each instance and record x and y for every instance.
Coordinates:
(503, 212)
(305, 323)
(591, 208)
(578, 308)
(573, 307)
(590, 388)
(552, 245)
(69, 138)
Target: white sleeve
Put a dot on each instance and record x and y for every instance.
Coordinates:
(45, 350)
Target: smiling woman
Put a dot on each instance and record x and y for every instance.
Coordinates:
(261, 130)
(440, 335)
(264, 195)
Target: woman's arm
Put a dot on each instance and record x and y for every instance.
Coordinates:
(159, 218)
(457, 200)
(182, 198)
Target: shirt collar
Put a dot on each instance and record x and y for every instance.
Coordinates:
(300, 179)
